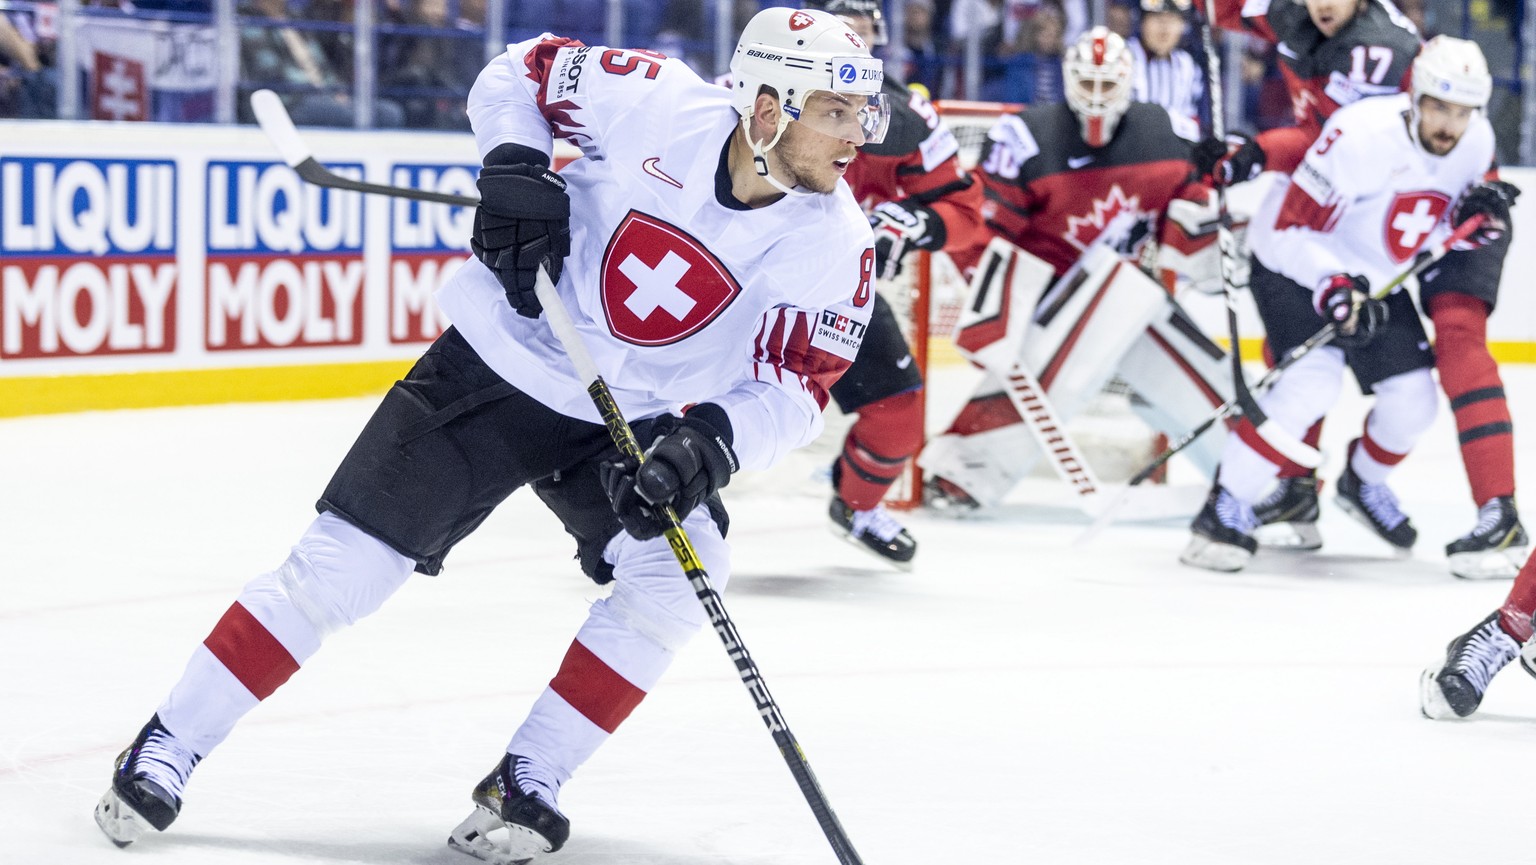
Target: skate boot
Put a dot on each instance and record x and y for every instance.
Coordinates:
(874, 530)
(1288, 516)
(1456, 687)
(1495, 548)
(519, 797)
(1375, 506)
(947, 497)
(147, 782)
(1222, 537)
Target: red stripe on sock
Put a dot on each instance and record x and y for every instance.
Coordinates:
(1250, 435)
(594, 689)
(249, 651)
(1379, 453)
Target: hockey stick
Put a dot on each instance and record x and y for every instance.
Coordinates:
(279, 127)
(1291, 447)
(1030, 401)
(1232, 407)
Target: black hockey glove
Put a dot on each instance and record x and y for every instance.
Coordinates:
(899, 227)
(1492, 198)
(686, 464)
(1234, 160)
(1345, 301)
(523, 222)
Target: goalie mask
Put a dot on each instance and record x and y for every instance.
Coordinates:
(821, 72)
(1098, 70)
(1450, 70)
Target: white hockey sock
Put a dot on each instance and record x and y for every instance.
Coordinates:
(1405, 408)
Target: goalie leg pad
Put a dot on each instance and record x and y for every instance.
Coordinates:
(1180, 377)
(1000, 303)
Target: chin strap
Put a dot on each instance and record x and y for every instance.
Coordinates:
(760, 157)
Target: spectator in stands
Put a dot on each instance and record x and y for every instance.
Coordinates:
(294, 63)
(28, 81)
(430, 75)
(925, 61)
(1120, 18)
(1045, 40)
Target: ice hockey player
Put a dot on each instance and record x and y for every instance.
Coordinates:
(1060, 179)
(1455, 687)
(1386, 178)
(1335, 52)
(711, 257)
(918, 197)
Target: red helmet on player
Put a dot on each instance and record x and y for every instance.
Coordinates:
(1098, 72)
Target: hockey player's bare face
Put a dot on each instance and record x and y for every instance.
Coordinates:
(1330, 16)
(1441, 124)
(1161, 32)
(816, 160)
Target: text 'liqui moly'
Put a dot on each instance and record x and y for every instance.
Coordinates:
(87, 257)
(428, 243)
(285, 259)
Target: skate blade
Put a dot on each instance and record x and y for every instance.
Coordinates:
(515, 845)
(1206, 553)
(1432, 702)
(1364, 519)
(121, 824)
(1291, 537)
(904, 567)
(1487, 565)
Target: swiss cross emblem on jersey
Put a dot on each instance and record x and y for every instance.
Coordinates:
(659, 284)
(1410, 219)
(800, 21)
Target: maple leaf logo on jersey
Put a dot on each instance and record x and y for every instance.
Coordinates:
(659, 284)
(1411, 218)
(1082, 231)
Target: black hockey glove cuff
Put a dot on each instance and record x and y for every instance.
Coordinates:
(1345, 301)
(900, 227)
(523, 222)
(1234, 160)
(687, 463)
(1492, 198)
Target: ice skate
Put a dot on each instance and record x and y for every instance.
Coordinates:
(947, 498)
(1375, 506)
(1288, 516)
(147, 782)
(1456, 687)
(874, 530)
(1222, 534)
(1495, 548)
(519, 798)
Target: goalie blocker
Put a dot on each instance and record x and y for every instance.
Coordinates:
(1104, 317)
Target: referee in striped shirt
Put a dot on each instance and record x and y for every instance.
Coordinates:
(1166, 74)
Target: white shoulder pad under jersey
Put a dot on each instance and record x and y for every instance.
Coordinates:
(680, 294)
(1367, 197)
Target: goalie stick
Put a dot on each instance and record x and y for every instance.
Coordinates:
(278, 126)
(1322, 337)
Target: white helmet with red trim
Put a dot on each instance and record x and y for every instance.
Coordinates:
(1098, 70)
(1452, 70)
(799, 53)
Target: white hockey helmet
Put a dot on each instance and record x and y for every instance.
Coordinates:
(801, 52)
(1452, 70)
(1097, 71)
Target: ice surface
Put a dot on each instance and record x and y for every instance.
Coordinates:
(1017, 698)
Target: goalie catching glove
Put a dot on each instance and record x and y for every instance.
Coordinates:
(687, 463)
(900, 226)
(1492, 198)
(523, 223)
(1345, 301)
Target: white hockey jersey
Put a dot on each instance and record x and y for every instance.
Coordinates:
(1367, 197)
(680, 297)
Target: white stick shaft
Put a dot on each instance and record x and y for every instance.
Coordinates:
(274, 121)
(565, 329)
